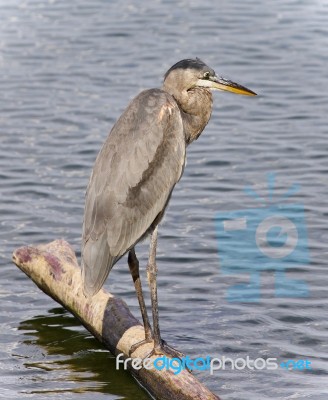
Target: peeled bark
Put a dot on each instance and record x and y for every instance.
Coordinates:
(54, 269)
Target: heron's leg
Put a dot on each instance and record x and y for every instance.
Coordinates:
(134, 269)
(160, 347)
(152, 280)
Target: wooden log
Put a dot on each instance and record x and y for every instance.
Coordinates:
(54, 269)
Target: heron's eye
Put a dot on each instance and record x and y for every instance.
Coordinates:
(206, 75)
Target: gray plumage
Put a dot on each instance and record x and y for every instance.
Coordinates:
(131, 182)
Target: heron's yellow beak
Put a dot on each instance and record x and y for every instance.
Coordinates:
(229, 86)
(215, 82)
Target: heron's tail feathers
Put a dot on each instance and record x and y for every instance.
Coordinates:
(97, 263)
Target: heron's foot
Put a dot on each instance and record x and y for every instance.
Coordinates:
(170, 352)
(134, 347)
(165, 350)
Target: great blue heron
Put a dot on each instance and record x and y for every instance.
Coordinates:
(135, 172)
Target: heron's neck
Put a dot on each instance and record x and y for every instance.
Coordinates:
(194, 124)
(196, 108)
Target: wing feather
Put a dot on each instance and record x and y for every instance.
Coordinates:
(133, 177)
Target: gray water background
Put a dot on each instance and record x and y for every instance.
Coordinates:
(67, 71)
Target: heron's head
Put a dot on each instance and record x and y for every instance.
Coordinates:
(190, 74)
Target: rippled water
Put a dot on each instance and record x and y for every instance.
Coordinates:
(68, 70)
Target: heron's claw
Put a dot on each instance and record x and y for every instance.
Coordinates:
(171, 351)
(165, 350)
(134, 347)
